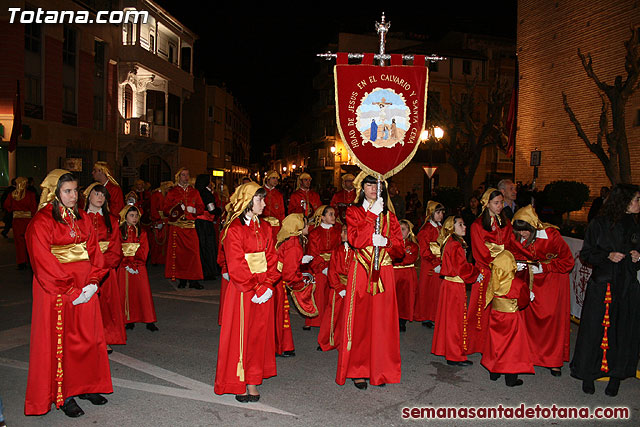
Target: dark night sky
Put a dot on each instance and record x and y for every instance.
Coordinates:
(266, 56)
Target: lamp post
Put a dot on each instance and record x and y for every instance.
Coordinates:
(430, 136)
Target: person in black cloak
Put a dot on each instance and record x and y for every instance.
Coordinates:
(205, 228)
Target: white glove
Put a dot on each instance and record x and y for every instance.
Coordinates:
(264, 298)
(159, 226)
(377, 207)
(226, 276)
(182, 206)
(308, 275)
(191, 209)
(480, 278)
(326, 271)
(437, 269)
(536, 269)
(131, 270)
(211, 207)
(379, 240)
(532, 296)
(342, 293)
(87, 293)
(307, 259)
(521, 265)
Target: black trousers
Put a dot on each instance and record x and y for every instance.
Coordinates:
(208, 248)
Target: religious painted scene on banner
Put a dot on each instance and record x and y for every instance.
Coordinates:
(383, 118)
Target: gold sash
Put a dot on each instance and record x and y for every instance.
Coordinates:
(365, 257)
(326, 256)
(22, 214)
(72, 252)
(130, 249)
(343, 279)
(257, 262)
(184, 223)
(161, 215)
(104, 246)
(279, 266)
(398, 267)
(494, 248)
(505, 305)
(455, 279)
(273, 221)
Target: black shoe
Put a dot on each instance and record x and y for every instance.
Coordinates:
(428, 324)
(195, 285)
(109, 349)
(463, 363)
(360, 385)
(318, 348)
(403, 325)
(379, 385)
(71, 409)
(95, 398)
(306, 328)
(511, 380)
(152, 327)
(244, 398)
(556, 372)
(253, 397)
(182, 284)
(130, 326)
(612, 387)
(588, 387)
(289, 353)
(493, 376)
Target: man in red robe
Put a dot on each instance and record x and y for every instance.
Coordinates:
(22, 205)
(304, 200)
(342, 199)
(158, 233)
(274, 210)
(143, 202)
(183, 255)
(102, 174)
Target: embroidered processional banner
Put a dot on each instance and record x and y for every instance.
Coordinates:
(381, 112)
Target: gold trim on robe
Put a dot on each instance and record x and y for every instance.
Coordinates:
(21, 214)
(343, 279)
(130, 249)
(505, 305)
(104, 246)
(184, 223)
(399, 267)
(494, 248)
(257, 262)
(456, 279)
(326, 256)
(275, 222)
(72, 252)
(279, 266)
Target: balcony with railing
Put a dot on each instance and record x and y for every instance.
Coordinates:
(135, 127)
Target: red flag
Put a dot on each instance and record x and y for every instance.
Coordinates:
(16, 131)
(512, 118)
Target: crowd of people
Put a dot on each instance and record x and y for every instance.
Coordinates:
(355, 268)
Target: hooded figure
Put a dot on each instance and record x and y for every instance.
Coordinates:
(22, 206)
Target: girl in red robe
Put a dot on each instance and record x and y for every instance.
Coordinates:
(22, 205)
(490, 234)
(246, 352)
(132, 272)
(426, 304)
(370, 345)
(290, 248)
(507, 345)
(106, 226)
(406, 276)
(331, 328)
(323, 239)
(68, 354)
(450, 333)
(547, 317)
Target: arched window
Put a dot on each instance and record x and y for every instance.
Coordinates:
(127, 101)
(155, 170)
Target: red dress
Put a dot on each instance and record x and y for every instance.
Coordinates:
(183, 250)
(274, 207)
(370, 344)
(22, 210)
(110, 297)
(406, 280)
(478, 315)
(223, 282)
(304, 202)
(68, 354)
(429, 284)
(159, 230)
(331, 324)
(116, 199)
(507, 346)
(246, 352)
(137, 301)
(450, 337)
(289, 256)
(547, 318)
(321, 242)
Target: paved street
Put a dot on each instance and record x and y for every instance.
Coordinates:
(166, 378)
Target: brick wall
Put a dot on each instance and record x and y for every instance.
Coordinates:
(549, 35)
(12, 48)
(85, 89)
(52, 79)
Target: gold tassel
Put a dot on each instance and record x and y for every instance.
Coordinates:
(240, 369)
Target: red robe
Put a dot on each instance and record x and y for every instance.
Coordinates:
(321, 243)
(223, 282)
(547, 318)
(183, 254)
(137, 301)
(274, 207)
(109, 293)
(331, 328)
(23, 210)
(341, 200)
(450, 333)
(116, 199)
(83, 352)
(144, 204)
(247, 338)
(304, 202)
(477, 315)
(290, 255)
(507, 346)
(428, 291)
(159, 230)
(406, 280)
(370, 345)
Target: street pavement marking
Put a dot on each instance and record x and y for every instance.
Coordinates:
(181, 298)
(15, 337)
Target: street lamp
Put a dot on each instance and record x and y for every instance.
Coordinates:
(433, 135)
